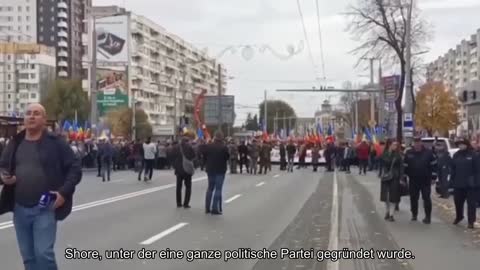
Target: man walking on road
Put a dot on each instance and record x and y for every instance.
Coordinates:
(183, 151)
(421, 168)
(149, 152)
(363, 153)
(291, 150)
(106, 155)
(39, 175)
(216, 155)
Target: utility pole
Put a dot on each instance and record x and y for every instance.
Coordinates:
(408, 110)
(134, 117)
(275, 125)
(220, 119)
(265, 113)
(93, 76)
(284, 124)
(381, 97)
(372, 95)
(356, 113)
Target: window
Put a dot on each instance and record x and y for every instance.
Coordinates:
(28, 27)
(19, 38)
(27, 8)
(52, 9)
(40, 9)
(19, 28)
(41, 19)
(9, 106)
(32, 66)
(28, 18)
(19, 18)
(52, 38)
(41, 29)
(53, 28)
(10, 8)
(40, 38)
(33, 95)
(32, 76)
(9, 67)
(9, 18)
(9, 86)
(9, 96)
(9, 77)
(52, 19)
(19, 9)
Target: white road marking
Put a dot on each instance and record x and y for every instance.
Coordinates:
(159, 236)
(233, 198)
(333, 241)
(276, 176)
(260, 184)
(118, 180)
(9, 224)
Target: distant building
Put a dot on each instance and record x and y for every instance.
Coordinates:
(27, 72)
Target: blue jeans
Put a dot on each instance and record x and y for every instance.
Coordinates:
(36, 230)
(215, 185)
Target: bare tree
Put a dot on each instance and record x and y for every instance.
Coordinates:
(380, 27)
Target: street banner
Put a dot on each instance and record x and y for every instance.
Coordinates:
(112, 89)
(112, 39)
(391, 85)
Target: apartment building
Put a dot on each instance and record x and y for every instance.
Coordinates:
(27, 72)
(55, 23)
(165, 73)
(457, 69)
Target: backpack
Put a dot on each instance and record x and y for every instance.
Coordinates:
(187, 164)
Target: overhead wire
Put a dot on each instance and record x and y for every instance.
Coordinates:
(321, 40)
(306, 36)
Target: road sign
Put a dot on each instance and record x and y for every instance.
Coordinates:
(391, 85)
(212, 106)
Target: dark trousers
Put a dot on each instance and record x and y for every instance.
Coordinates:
(181, 179)
(461, 195)
(443, 184)
(362, 164)
(329, 164)
(346, 164)
(283, 163)
(162, 162)
(243, 161)
(148, 167)
(233, 166)
(99, 165)
(425, 190)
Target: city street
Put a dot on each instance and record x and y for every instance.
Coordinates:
(273, 211)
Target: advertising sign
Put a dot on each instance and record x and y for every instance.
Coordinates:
(112, 89)
(211, 108)
(112, 39)
(391, 85)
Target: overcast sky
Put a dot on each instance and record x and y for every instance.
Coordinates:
(217, 24)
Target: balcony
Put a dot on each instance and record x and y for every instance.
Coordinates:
(63, 34)
(62, 25)
(62, 44)
(62, 63)
(62, 5)
(63, 74)
(63, 53)
(63, 15)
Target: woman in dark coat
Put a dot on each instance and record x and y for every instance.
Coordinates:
(390, 192)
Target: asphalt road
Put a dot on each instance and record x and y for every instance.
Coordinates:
(300, 210)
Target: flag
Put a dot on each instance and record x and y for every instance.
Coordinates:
(200, 133)
(330, 130)
(66, 125)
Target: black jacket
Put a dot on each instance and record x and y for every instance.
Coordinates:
(291, 150)
(243, 151)
(463, 169)
(444, 164)
(217, 156)
(421, 166)
(177, 158)
(62, 168)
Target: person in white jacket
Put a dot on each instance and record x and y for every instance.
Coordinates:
(149, 152)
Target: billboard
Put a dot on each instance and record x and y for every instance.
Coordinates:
(211, 110)
(112, 87)
(391, 85)
(112, 39)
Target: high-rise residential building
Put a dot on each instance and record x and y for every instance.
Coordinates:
(55, 23)
(165, 73)
(27, 72)
(458, 68)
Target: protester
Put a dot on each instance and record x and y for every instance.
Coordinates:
(149, 151)
(315, 156)
(233, 151)
(243, 152)
(363, 153)
(183, 152)
(291, 150)
(217, 156)
(106, 153)
(37, 165)
(253, 152)
(391, 178)
(443, 170)
(283, 159)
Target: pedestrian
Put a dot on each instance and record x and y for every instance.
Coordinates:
(217, 156)
(329, 156)
(443, 169)
(302, 155)
(363, 153)
(233, 151)
(106, 153)
(264, 155)
(315, 156)
(283, 159)
(138, 156)
(183, 155)
(291, 150)
(243, 152)
(253, 152)
(39, 173)
(390, 192)
(97, 146)
(465, 180)
(149, 151)
(420, 167)
(347, 157)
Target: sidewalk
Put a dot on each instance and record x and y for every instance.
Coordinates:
(439, 245)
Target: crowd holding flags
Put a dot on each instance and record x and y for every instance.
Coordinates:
(77, 132)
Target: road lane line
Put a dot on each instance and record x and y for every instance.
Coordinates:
(233, 198)
(118, 180)
(159, 236)
(333, 240)
(9, 224)
(260, 184)
(276, 176)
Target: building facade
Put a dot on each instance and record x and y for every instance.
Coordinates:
(55, 23)
(165, 73)
(27, 73)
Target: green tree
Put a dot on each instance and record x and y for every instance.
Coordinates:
(283, 109)
(66, 98)
(120, 121)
